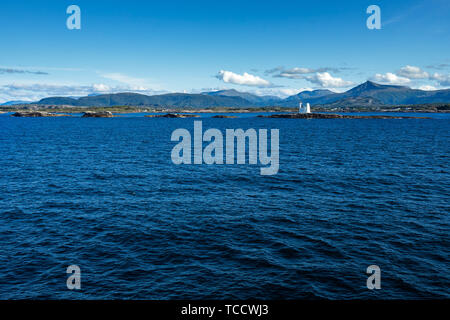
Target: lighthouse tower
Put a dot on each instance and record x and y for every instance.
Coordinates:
(304, 109)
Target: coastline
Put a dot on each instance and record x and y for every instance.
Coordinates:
(285, 115)
(226, 110)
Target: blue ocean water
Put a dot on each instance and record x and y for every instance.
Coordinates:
(104, 194)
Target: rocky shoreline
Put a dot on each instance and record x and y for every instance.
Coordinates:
(332, 116)
(108, 114)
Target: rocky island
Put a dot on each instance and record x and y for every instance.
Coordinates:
(35, 114)
(100, 114)
(173, 115)
(224, 117)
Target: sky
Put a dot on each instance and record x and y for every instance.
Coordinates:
(264, 47)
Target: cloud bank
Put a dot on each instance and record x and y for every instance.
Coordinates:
(318, 76)
(36, 91)
(390, 78)
(407, 74)
(411, 72)
(443, 80)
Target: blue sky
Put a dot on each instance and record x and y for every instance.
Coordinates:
(266, 47)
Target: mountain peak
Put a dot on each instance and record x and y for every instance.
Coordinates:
(370, 85)
(314, 93)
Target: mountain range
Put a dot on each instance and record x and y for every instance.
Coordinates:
(372, 94)
(366, 94)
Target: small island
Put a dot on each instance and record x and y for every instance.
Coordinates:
(99, 114)
(172, 115)
(36, 114)
(224, 117)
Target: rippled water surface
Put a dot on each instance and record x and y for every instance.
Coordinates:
(103, 194)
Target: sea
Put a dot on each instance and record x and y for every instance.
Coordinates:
(104, 195)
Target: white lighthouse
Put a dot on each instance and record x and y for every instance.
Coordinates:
(304, 109)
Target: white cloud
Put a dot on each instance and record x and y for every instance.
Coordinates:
(297, 70)
(100, 87)
(326, 80)
(412, 72)
(427, 88)
(390, 78)
(289, 75)
(408, 73)
(245, 79)
(442, 79)
(294, 73)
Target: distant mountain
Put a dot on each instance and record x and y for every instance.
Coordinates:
(166, 100)
(313, 97)
(384, 94)
(233, 93)
(59, 101)
(353, 102)
(259, 100)
(366, 94)
(395, 95)
(314, 94)
(12, 103)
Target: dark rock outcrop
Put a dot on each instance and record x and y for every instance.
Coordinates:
(224, 117)
(173, 115)
(100, 114)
